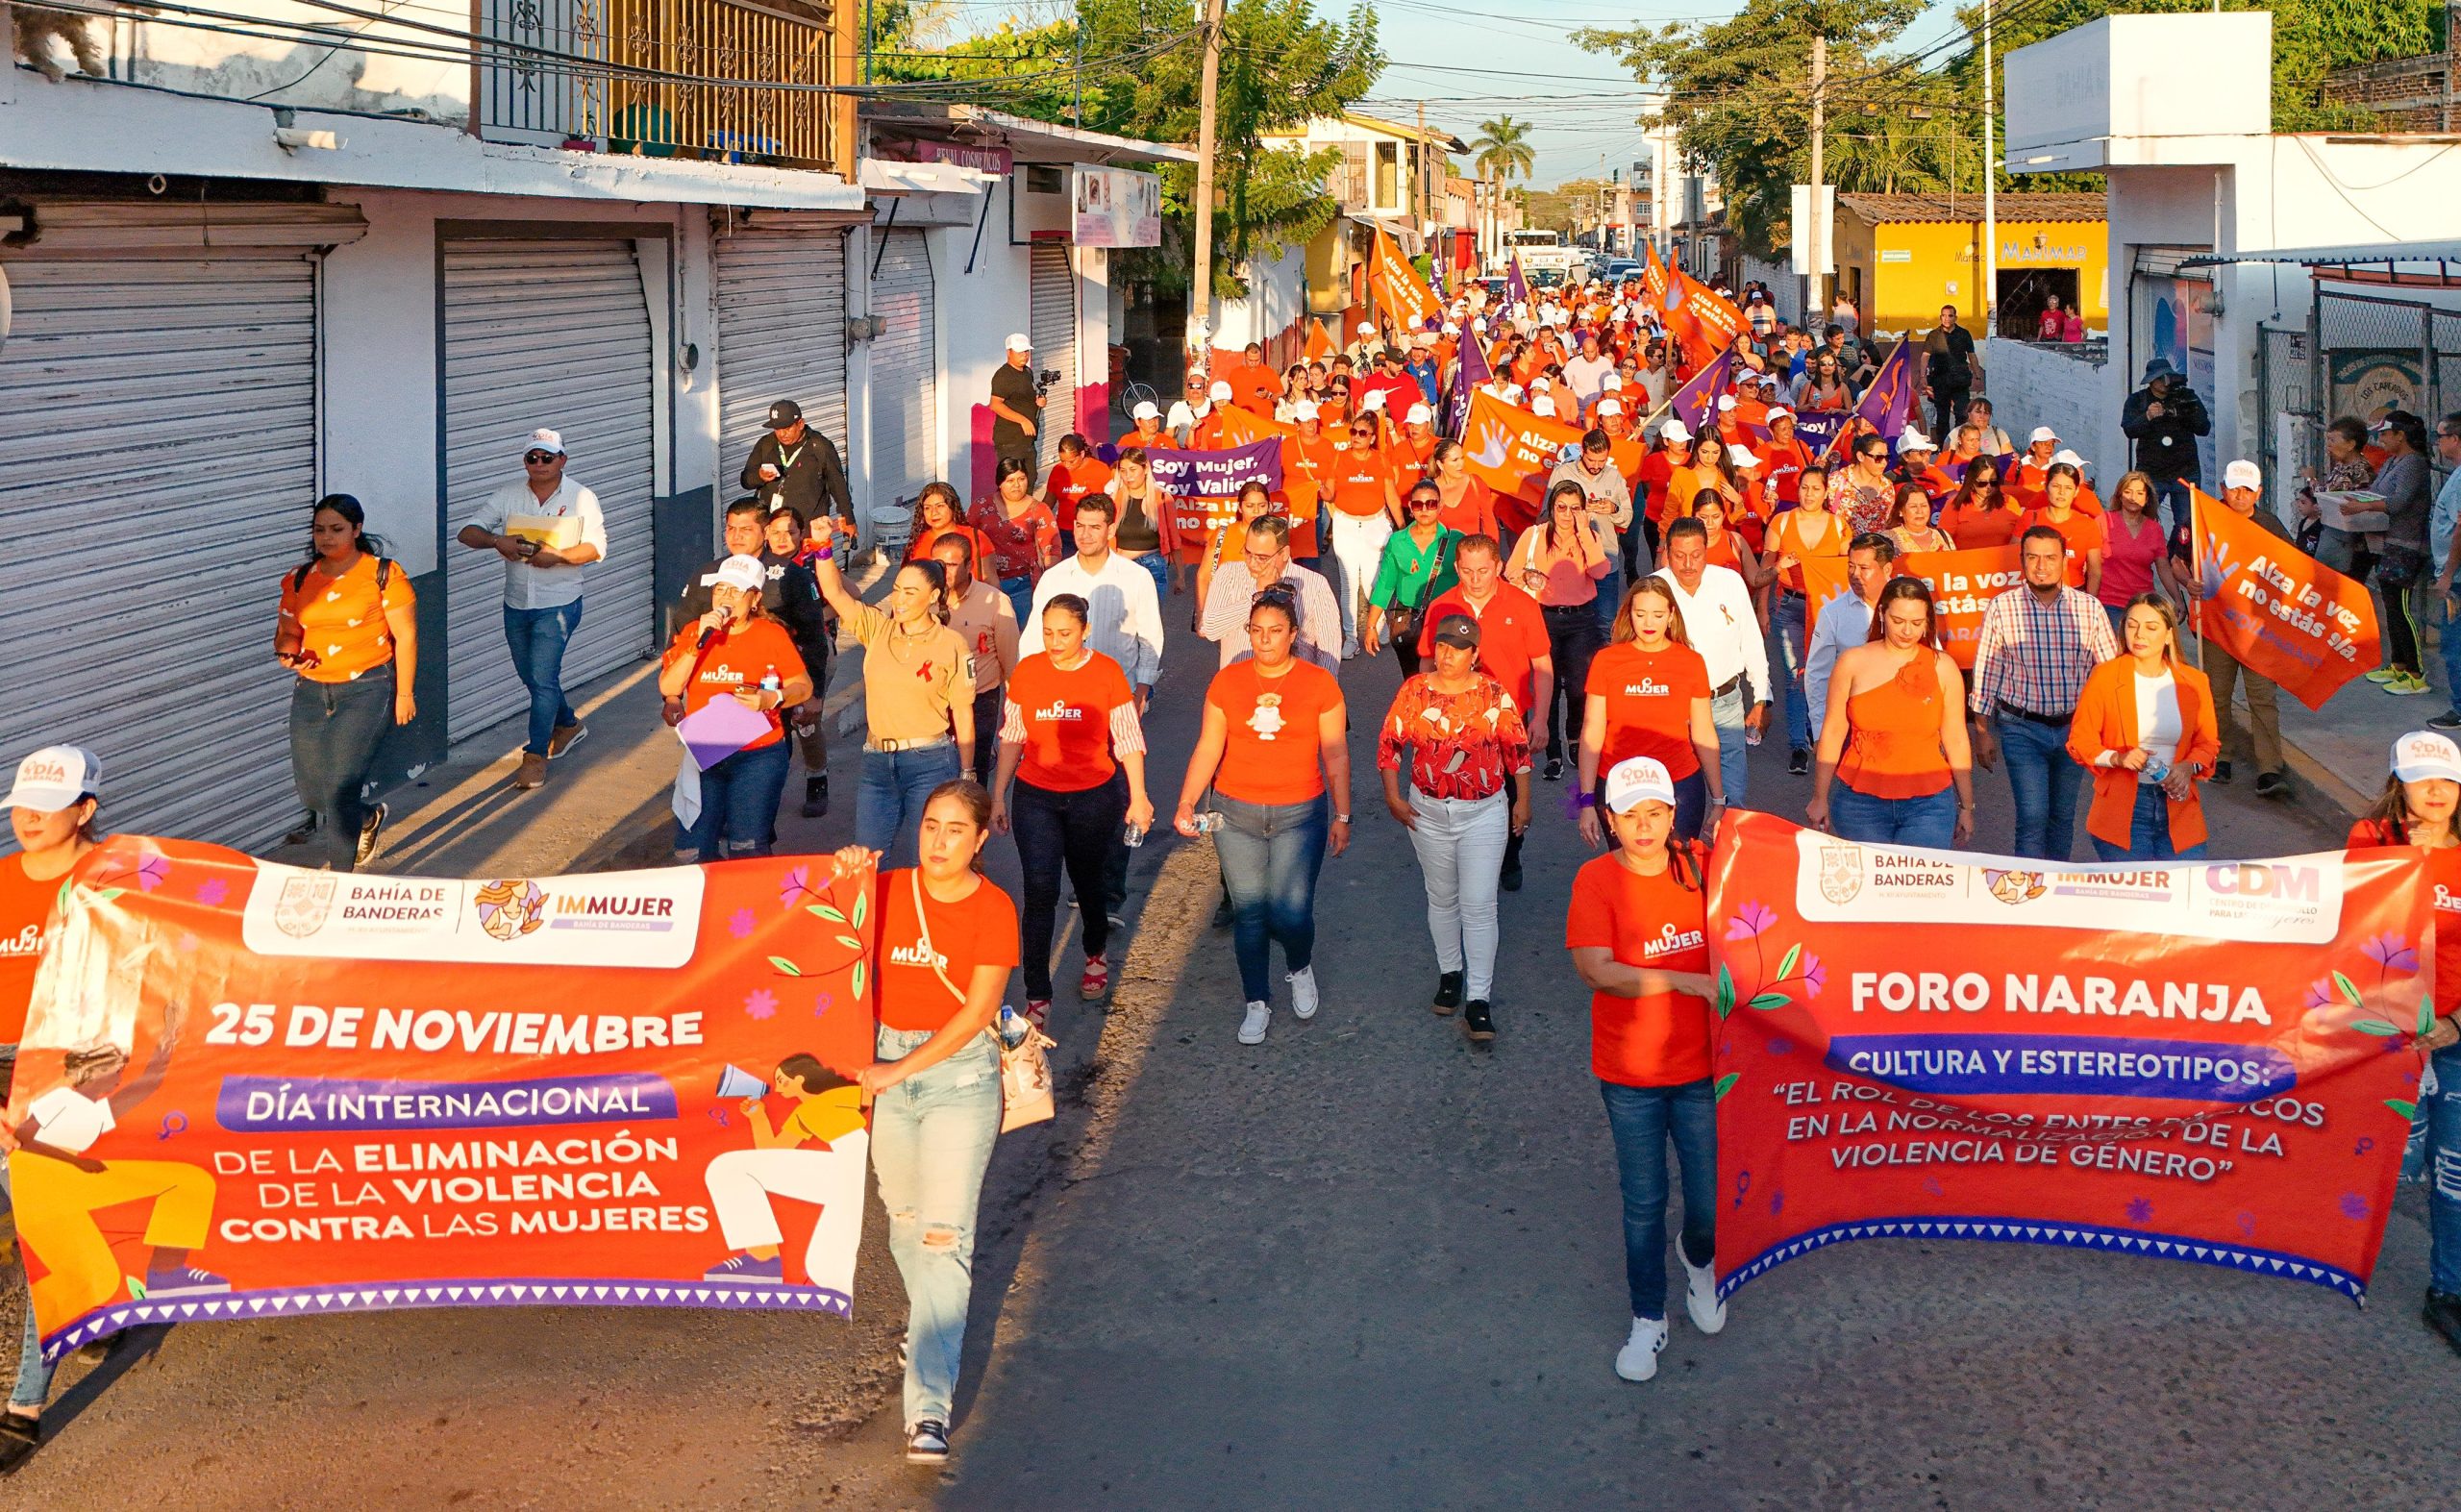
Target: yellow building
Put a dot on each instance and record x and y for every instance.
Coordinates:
(1901, 257)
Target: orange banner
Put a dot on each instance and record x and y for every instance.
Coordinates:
(1963, 584)
(1703, 319)
(1512, 450)
(1396, 288)
(2203, 1061)
(248, 1090)
(2280, 612)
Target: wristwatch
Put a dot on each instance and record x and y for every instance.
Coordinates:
(1341, 819)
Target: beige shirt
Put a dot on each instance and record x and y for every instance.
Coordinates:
(910, 681)
(986, 622)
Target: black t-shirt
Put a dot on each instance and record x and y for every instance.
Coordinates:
(1950, 352)
(1014, 386)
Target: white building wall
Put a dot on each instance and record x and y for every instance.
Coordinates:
(2031, 386)
(1276, 299)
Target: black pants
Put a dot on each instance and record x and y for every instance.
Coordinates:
(1572, 640)
(986, 735)
(1405, 648)
(1071, 829)
(1947, 410)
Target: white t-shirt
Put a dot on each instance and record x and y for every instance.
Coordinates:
(2158, 726)
(69, 1120)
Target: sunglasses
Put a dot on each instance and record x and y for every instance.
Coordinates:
(538, 458)
(1425, 502)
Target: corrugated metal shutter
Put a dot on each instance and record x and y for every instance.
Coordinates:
(905, 399)
(782, 334)
(158, 424)
(554, 333)
(1051, 287)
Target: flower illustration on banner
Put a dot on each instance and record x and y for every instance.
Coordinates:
(2391, 952)
(151, 871)
(823, 1003)
(2139, 1210)
(740, 924)
(795, 886)
(211, 891)
(1796, 967)
(2320, 994)
(2353, 1206)
(1746, 925)
(760, 1004)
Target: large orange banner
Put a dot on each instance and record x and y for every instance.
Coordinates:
(2206, 1062)
(1512, 451)
(1963, 584)
(2280, 612)
(251, 1091)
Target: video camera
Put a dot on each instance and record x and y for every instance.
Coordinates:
(1045, 378)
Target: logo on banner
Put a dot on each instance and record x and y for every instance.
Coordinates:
(1841, 873)
(2015, 888)
(510, 909)
(300, 911)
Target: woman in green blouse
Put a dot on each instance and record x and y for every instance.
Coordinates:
(1416, 567)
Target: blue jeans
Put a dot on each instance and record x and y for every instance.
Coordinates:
(2443, 1117)
(2176, 493)
(1792, 636)
(888, 802)
(2449, 644)
(1270, 854)
(33, 1377)
(1726, 713)
(335, 728)
(1641, 1120)
(1611, 597)
(2045, 780)
(1160, 566)
(1021, 595)
(932, 1139)
(1926, 823)
(2148, 832)
(537, 638)
(739, 805)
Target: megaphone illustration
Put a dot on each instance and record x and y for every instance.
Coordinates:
(735, 1081)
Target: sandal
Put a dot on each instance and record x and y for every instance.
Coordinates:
(1097, 979)
(1038, 1012)
(18, 1436)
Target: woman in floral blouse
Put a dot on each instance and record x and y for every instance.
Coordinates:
(1467, 743)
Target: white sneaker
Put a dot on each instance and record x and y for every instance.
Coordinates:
(1252, 1029)
(1637, 1359)
(1304, 1002)
(1700, 1294)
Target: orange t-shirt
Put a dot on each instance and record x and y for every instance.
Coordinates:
(1973, 530)
(978, 929)
(1273, 756)
(1065, 718)
(1660, 1040)
(1360, 476)
(25, 915)
(1648, 699)
(740, 655)
(343, 619)
(1070, 482)
(2082, 532)
(921, 546)
(2444, 882)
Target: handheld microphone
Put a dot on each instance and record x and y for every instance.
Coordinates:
(709, 634)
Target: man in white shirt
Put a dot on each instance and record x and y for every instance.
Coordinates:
(1187, 412)
(548, 529)
(1844, 620)
(1587, 372)
(1724, 628)
(1124, 617)
(1234, 592)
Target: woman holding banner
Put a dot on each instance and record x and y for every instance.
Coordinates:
(1465, 505)
(1366, 507)
(2145, 726)
(2417, 809)
(1638, 932)
(1142, 530)
(1648, 695)
(737, 651)
(1893, 741)
(934, 1089)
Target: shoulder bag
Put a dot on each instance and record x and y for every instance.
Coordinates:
(1024, 1068)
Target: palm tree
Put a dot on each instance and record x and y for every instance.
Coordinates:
(1502, 154)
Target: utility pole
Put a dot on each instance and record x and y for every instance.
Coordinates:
(1419, 211)
(1816, 235)
(1989, 295)
(1200, 291)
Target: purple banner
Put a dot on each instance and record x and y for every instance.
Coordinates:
(295, 1104)
(1692, 403)
(1217, 475)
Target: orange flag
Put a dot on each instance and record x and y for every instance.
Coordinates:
(1396, 290)
(2280, 612)
(1653, 279)
(1320, 346)
(1512, 451)
(1703, 319)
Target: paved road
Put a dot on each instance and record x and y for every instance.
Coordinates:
(1363, 1265)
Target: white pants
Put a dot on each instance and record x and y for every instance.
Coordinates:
(742, 1183)
(1461, 843)
(1358, 550)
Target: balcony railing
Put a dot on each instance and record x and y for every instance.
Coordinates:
(711, 79)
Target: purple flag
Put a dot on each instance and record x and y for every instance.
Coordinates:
(1468, 375)
(1516, 287)
(1888, 405)
(1217, 475)
(1819, 430)
(1692, 403)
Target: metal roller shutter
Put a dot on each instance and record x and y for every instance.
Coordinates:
(167, 404)
(782, 334)
(1053, 290)
(904, 398)
(554, 333)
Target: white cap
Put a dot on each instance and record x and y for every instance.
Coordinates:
(2417, 756)
(1610, 406)
(1622, 312)
(1542, 405)
(1453, 328)
(1611, 384)
(1640, 780)
(1480, 325)
(2042, 433)
(1780, 412)
(1017, 342)
(1145, 410)
(1220, 392)
(1739, 458)
(1420, 414)
(1725, 402)
(2243, 474)
(54, 777)
(1913, 442)
(1676, 431)
(748, 573)
(1373, 399)
(2070, 457)
(1365, 329)
(541, 439)
(1305, 409)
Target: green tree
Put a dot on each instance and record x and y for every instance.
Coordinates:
(1502, 153)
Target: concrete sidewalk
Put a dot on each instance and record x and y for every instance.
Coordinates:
(2339, 755)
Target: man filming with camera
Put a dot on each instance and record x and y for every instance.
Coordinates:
(1016, 404)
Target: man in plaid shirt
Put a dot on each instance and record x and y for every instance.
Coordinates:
(2038, 644)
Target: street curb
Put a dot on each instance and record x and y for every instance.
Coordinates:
(2313, 782)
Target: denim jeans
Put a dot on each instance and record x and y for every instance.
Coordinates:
(33, 1378)
(1726, 713)
(1609, 598)
(1641, 1120)
(1271, 854)
(2044, 779)
(1071, 829)
(2448, 643)
(537, 638)
(1572, 642)
(888, 800)
(1159, 565)
(2148, 832)
(1021, 596)
(932, 1139)
(1461, 843)
(1792, 640)
(739, 805)
(335, 728)
(2443, 1117)
(2174, 491)
(1928, 824)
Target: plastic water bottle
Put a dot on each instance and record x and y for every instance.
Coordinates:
(1134, 837)
(1208, 822)
(1013, 1027)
